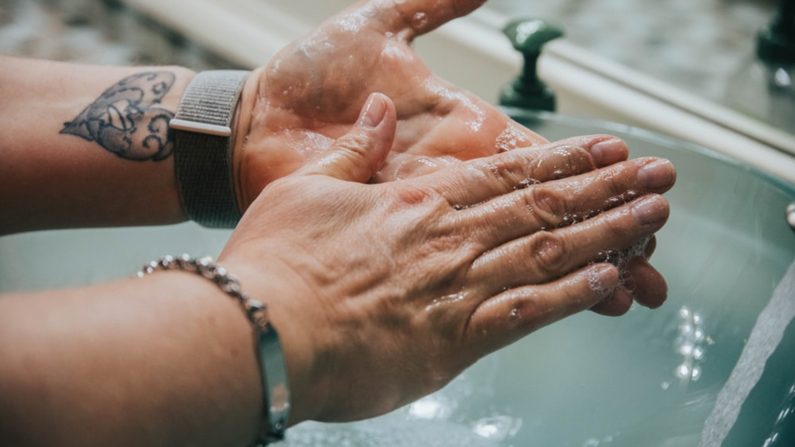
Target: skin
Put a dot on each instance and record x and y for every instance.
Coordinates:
(459, 264)
(49, 179)
(462, 262)
(381, 293)
(291, 110)
(311, 92)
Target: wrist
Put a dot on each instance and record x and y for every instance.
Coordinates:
(171, 102)
(203, 129)
(240, 132)
(279, 288)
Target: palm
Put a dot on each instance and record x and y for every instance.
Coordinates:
(312, 91)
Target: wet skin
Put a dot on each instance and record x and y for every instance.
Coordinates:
(311, 92)
(447, 267)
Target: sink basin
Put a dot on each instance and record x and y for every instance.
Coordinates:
(651, 378)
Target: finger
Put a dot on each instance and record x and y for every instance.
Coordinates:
(605, 149)
(359, 154)
(516, 136)
(650, 247)
(546, 255)
(512, 314)
(646, 283)
(615, 305)
(560, 203)
(412, 18)
(479, 180)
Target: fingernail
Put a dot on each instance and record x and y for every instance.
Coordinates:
(374, 111)
(608, 152)
(650, 210)
(657, 174)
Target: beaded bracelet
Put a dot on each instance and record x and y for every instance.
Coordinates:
(273, 371)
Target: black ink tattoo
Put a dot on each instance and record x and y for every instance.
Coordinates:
(127, 120)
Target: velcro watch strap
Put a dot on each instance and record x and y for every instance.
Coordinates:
(203, 147)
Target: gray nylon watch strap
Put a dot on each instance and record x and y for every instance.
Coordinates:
(203, 147)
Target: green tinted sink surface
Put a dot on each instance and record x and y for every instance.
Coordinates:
(648, 379)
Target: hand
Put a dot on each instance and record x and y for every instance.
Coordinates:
(383, 293)
(311, 92)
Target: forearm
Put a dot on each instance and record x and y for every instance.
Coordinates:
(87, 145)
(165, 360)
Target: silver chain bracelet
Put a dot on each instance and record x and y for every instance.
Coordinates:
(273, 370)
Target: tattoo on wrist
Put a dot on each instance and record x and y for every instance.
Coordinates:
(127, 119)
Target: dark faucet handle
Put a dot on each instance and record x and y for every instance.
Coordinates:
(775, 44)
(529, 36)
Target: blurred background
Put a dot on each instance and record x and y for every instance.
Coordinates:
(696, 45)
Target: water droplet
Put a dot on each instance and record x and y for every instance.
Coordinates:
(497, 428)
(665, 385)
(526, 183)
(698, 335)
(514, 315)
(683, 371)
(419, 20)
(429, 408)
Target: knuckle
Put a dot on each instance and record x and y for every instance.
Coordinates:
(548, 252)
(614, 179)
(621, 226)
(354, 144)
(427, 197)
(493, 172)
(506, 170)
(548, 205)
(411, 195)
(574, 160)
(526, 310)
(579, 160)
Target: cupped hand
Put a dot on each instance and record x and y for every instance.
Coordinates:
(310, 94)
(382, 293)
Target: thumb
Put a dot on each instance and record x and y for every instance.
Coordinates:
(359, 154)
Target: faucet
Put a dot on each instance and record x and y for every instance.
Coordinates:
(527, 91)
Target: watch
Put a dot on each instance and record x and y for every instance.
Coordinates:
(203, 147)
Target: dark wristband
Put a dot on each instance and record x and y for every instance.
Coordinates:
(203, 147)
